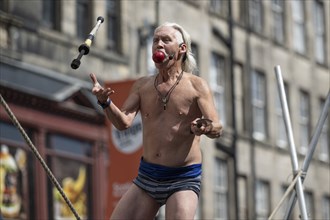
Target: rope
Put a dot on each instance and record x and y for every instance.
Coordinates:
(289, 189)
(36, 153)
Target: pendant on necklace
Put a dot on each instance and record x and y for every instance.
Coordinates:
(164, 100)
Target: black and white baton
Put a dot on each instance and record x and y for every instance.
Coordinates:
(84, 48)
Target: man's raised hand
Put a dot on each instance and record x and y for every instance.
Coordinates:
(102, 94)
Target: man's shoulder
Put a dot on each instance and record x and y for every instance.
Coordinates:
(143, 81)
(196, 81)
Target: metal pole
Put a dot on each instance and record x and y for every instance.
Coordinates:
(310, 152)
(293, 153)
(232, 63)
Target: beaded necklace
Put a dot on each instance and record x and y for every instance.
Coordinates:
(166, 98)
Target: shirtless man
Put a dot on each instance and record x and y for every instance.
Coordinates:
(172, 104)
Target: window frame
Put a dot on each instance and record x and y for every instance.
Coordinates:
(319, 31)
(262, 208)
(113, 22)
(304, 121)
(83, 18)
(219, 7)
(326, 207)
(221, 188)
(299, 34)
(217, 76)
(51, 14)
(255, 16)
(53, 155)
(278, 12)
(259, 103)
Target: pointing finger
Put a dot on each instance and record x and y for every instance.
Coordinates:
(94, 80)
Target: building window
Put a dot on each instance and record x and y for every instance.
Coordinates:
(278, 20)
(242, 197)
(243, 15)
(219, 7)
(16, 175)
(51, 14)
(262, 199)
(309, 204)
(220, 189)
(194, 50)
(259, 105)
(282, 137)
(299, 33)
(324, 138)
(83, 18)
(71, 162)
(326, 207)
(304, 119)
(319, 32)
(255, 15)
(284, 205)
(113, 21)
(217, 84)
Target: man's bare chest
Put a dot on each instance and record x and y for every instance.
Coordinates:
(178, 100)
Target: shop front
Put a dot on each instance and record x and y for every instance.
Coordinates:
(61, 118)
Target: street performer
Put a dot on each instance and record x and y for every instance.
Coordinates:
(176, 107)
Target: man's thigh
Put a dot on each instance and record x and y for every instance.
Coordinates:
(181, 205)
(135, 204)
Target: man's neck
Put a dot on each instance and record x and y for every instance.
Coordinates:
(169, 74)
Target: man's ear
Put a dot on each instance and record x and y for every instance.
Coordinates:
(183, 48)
(183, 51)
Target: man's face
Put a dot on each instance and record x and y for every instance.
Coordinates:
(165, 40)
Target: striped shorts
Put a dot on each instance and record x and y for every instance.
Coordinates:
(160, 182)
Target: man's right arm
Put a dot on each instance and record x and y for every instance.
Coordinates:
(123, 118)
(120, 118)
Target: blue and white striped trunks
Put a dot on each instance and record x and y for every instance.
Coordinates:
(160, 182)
